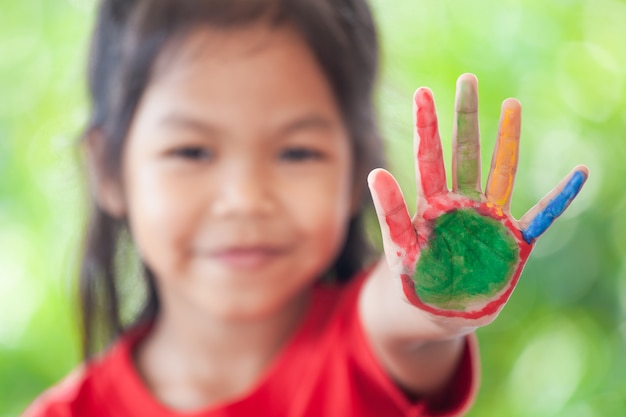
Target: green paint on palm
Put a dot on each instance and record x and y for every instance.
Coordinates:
(469, 257)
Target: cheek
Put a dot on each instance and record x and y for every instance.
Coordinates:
(162, 227)
(322, 212)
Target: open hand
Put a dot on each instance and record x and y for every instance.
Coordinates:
(462, 253)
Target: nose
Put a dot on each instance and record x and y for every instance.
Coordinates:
(244, 191)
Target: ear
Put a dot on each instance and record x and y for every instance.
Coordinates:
(105, 189)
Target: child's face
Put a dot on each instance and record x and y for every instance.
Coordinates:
(238, 173)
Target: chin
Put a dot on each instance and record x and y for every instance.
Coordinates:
(248, 308)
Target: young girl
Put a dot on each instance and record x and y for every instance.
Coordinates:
(231, 140)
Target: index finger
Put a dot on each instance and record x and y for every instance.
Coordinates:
(430, 171)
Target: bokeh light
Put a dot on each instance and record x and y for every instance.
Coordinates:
(561, 349)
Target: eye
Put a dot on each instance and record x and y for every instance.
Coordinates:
(194, 153)
(296, 154)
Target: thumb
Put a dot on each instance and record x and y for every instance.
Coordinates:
(541, 216)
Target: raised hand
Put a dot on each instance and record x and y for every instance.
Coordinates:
(462, 253)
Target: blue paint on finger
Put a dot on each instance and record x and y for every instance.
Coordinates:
(555, 208)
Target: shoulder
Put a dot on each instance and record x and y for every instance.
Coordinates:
(334, 307)
(62, 399)
(81, 392)
(341, 296)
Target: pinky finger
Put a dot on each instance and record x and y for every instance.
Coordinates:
(539, 218)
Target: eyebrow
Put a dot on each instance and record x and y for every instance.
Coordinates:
(309, 121)
(182, 121)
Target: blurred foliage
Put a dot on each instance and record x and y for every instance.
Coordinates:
(558, 348)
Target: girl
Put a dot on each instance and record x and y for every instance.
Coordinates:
(230, 140)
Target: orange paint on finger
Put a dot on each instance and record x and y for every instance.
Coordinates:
(501, 179)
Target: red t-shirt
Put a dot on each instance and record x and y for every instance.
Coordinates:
(327, 369)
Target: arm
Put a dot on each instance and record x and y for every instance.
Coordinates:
(418, 354)
(451, 267)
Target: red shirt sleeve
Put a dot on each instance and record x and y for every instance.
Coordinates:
(69, 398)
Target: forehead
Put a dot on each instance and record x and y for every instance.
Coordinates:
(238, 51)
(220, 43)
(259, 72)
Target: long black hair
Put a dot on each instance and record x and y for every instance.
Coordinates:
(128, 38)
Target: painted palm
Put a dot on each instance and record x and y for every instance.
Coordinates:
(462, 253)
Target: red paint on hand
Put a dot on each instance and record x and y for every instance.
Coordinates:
(429, 154)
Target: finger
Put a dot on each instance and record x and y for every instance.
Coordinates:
(430, 171)
(465, 138)
(540, 217)
(505, 156)
(397, 229)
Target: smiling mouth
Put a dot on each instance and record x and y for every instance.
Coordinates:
(246, 258)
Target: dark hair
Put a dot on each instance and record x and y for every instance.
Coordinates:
(128, 38)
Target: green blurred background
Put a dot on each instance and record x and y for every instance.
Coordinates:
(558, 348)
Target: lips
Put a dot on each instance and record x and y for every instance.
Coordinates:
(246, 257)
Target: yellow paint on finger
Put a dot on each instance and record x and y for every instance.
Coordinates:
(501, 180)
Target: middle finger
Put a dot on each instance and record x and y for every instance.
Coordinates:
(466, 139)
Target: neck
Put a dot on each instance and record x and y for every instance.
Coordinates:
(190, 360)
